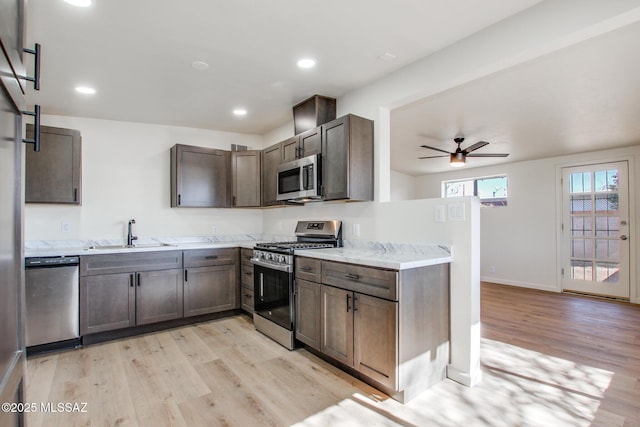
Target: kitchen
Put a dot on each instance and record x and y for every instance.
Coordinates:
(138, 152)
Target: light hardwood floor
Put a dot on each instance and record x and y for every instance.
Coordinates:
(548, 360)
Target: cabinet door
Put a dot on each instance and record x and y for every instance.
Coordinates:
(53, 174)
(310, 142)
(271, 159)
(107, 302)
(200, 177)
(209, 289)
(335, 159)
(158, 296)
(245, 167)
(308, 313)
(375, 342)
(337, 324)
(290, 149)
(347, 159)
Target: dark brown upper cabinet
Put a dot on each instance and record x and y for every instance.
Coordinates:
(245, 170)
(303, 145)
(200, 177)
(53, 175)
(271, 159)
(347, 159)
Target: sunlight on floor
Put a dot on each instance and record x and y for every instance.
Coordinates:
(520, 387)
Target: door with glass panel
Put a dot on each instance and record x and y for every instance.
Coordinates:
(595, 229)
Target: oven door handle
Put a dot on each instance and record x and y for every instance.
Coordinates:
(284, 268)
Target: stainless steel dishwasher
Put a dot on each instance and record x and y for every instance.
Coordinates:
(52, 301)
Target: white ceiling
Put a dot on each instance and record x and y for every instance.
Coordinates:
(138, 53)
(582, 98)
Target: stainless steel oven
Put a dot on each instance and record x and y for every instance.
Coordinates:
(273, 275)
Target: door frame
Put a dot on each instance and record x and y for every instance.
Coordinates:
(634, 270)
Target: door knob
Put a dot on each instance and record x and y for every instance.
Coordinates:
(623, 237)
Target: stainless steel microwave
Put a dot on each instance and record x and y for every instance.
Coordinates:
(299, 180)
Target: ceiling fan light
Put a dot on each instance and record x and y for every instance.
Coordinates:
(457, 160)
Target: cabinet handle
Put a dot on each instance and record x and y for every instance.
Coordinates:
(305, 268)
(179, 199)
(131, 280)
(233, 203)
(185, 275)
(36, 128)
(352, 276)
(248, 273)
(36, 76)
(348, 297)
(138, 276)
(75, 194)
(355, 298)
(211, 257)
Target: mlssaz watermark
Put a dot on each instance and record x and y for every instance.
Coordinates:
(49, 407)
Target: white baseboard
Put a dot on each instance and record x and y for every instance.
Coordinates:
(538, 286)
(464, 378)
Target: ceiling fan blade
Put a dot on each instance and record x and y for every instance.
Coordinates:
(434, 148)
(488, 155)
(433, 157)
(475, 146)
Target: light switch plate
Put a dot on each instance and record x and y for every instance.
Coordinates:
(456, 212)
(438, 213)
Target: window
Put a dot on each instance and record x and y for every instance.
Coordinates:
(491, 190)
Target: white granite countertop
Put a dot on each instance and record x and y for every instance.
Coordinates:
(394, 256)
(384, 255)
(47, 248)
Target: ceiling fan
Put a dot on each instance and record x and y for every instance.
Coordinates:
(459, 157)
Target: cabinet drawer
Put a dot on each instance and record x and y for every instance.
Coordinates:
(210, 257)
(367, 280)
(308, 269)
(91, 265)
(246, 298)
(246, 278)
(245, 257)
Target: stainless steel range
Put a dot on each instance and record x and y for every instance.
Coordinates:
(273, 268)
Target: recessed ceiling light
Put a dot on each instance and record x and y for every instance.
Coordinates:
(240, 112)
(85, 90)
(307, 63)
(199, 65)
(79, 3)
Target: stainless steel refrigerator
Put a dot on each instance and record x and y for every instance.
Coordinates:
(12, 102)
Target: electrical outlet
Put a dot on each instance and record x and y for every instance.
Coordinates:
(492, 269)
(65, 227)
(355, 230)
(214, 229)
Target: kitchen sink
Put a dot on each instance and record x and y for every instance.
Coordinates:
(140, 246)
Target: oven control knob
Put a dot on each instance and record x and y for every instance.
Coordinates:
(281, 258)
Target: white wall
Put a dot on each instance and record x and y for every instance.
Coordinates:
(125, 174)
(402, 187)
(520, 240)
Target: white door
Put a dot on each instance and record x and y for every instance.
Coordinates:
(595, 229)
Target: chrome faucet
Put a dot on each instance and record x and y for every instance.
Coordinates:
(130, 236)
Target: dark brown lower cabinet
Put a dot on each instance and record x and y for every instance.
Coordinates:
(209, 289)
(210, 281)
(116, 301)
(308, 313)
(107, 302)
(246, 280)
(357, 316)
(158, 296)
